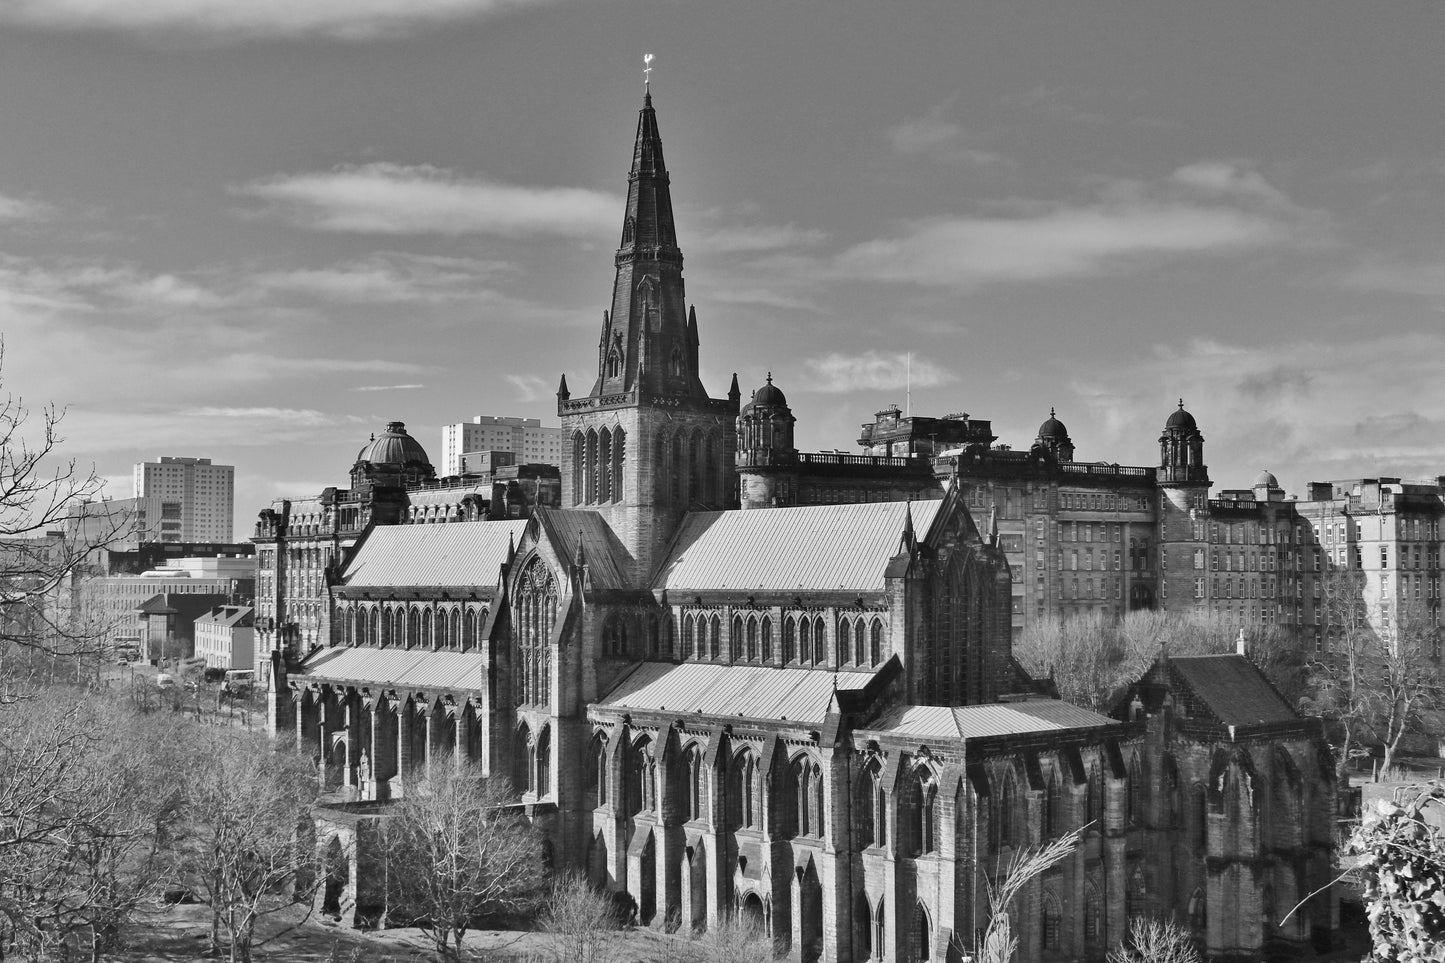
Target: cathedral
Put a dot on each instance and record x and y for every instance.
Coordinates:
(808, 715)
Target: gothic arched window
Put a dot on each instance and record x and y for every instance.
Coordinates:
(820, 642)
(790, 641)
(688, 647)
(875, 652)
(714, 638)
(766, 631)
(536, 608)
(619, 461)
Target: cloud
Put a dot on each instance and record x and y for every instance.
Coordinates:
(934, 135)
(19, 209)
(393, 199)
(837, 372)
(302, 417)
(1204, 209)
(1226, 178)
(756, 239)
(387, 278)
(221, 20)
(529, 387)
(1418, 278)
(387, 387)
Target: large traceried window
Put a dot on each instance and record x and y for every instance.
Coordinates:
(536, 608)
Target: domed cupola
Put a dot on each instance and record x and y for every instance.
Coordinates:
(1181, 450)
(1267, 488)
(392, 457)
(1054, 438)
(765, 427)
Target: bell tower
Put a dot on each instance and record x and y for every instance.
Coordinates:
(647, 444)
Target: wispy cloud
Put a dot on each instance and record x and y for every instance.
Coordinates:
(529, 387)
(222, 20)
(1128, 223)
(305, 417)
(387, 387)
(872, 370)
(1424, 279)
(22, 209)
(936, 135)
(755, 239)
(384, 198)
(389, 278)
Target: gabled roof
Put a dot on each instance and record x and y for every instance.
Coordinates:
(399, 668)
(746, 691)
(813, 548)
(1232, 689)
(456, 553)
(994, 719)
(235, 616)
(607, 559)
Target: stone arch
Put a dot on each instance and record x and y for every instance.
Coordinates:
(336, 864)
(603, 485)
(619, 462)
(579, 458)
(697, 883)
(523, 764)
(922, 942)
(862, 927)
(1051, 919)
(542, 762)
(597, 871)
(810, 914)
(597, 770)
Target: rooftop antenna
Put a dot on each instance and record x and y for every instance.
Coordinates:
(647, 72)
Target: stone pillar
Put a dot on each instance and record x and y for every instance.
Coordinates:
(461, 735)
(405, 710)
(350, 703)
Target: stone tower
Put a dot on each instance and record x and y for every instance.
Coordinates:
(647, 444)
(1183, 511)
(767, 461)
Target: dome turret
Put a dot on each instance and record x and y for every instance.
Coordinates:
(769, 394)
(1181, 419)
(391, 458)
(1266, 479)
(393, 447)
(1054, 438)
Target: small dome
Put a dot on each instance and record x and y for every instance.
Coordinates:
(1266, 479)
(1053, 429)
(1181, 419)
(770, 394)
(393, 447)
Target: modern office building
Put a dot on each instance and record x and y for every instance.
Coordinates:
(185, 500)
(526, 438)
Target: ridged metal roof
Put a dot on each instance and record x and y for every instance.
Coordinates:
(457, 553)
(749, 691)
(607, 559)
(994, 719)
(814, 548)
(399, 668)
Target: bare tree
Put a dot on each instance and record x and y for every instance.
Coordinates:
(457, 851)
(1405, 680)
(583, 922)
(1155, 941)
(243, 852)
(1341, 687)
(42, 548)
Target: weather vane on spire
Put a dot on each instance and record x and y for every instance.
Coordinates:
(647, 71)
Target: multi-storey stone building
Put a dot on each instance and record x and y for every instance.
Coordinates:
(806, 712)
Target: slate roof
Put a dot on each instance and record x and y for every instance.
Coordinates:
(813, 548)
(749, 691)
(607, 559)
(399, 668)
(994, 719)
(1233, 689)
(456, 553)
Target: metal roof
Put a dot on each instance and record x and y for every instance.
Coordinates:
(455, 553)
(607, 559)
(816, 548)
(994, 719)
(1233, 689)
(399, 668)
(748, 691)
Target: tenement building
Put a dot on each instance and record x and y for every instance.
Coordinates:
(727, 679)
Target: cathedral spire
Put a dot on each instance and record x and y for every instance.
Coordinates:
(649, 338)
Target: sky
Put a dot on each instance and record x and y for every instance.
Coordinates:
(258, 230)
